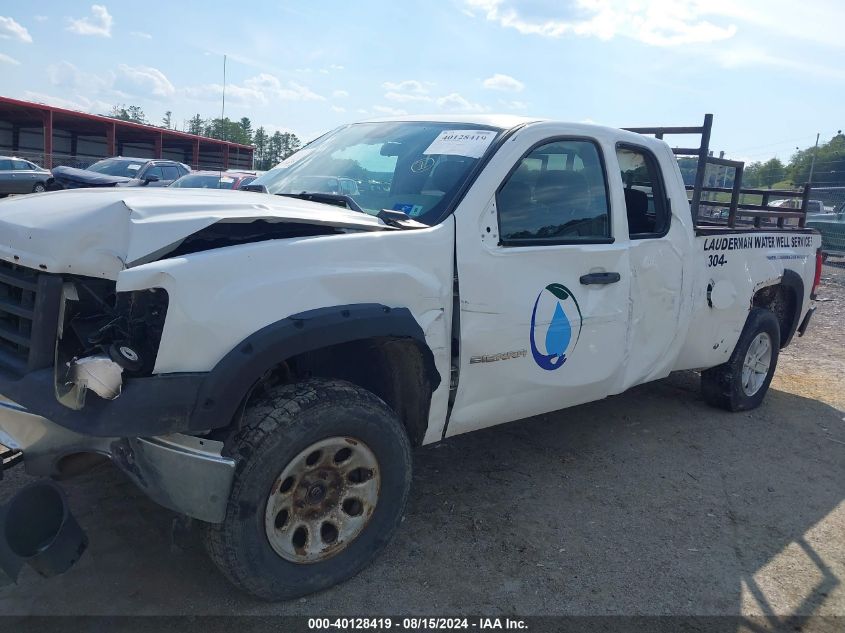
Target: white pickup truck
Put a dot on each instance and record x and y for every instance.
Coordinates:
(267, 363)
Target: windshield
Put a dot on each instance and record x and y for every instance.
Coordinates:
(205, 181)
(114, 167)
(416, 168)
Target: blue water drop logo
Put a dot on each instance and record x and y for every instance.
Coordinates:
(559, 333)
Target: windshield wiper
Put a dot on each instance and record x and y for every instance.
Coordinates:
(334, 199)
(399, 219)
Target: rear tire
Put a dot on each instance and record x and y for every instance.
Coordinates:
(287, 530)
(741, 383)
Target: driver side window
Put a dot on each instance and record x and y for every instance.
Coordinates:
(557, 194)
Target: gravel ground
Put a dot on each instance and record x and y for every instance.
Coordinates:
(644, 503)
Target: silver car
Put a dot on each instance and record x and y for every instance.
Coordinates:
(21, 176)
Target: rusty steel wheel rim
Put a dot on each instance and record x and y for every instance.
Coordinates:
(322, 500)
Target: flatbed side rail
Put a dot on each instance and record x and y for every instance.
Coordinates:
(762, 215)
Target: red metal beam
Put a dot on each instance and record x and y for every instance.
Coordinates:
(48, 139)
(225, 157)
(8, 104)
(157, 145)
(195, 161)
(110, 134)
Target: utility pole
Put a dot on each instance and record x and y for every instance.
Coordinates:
(813, 161)
(223, 109)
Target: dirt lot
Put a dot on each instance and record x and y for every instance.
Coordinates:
(645, 503)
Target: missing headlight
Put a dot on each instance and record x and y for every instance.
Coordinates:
(116, 328)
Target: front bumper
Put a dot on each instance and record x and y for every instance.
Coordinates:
(181, 472)
(149, 405)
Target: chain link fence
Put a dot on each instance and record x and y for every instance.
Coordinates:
(66, 160)
(833, 198)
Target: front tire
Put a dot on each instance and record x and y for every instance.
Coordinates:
(39, 187)
(322, 478)
(741, 383)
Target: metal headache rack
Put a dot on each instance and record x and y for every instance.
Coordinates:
(750, 215)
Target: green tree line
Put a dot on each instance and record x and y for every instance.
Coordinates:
(270, 149)
(829, 169)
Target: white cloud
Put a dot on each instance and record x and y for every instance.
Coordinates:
(68, 77)
(749, 56)
(820, 20)
(262, 89)
(142, 35)
(388, 110)
(323, 71)
(407, 97)
(82, 103)
(505, 83)
(98, 23)
(455, 102)
(40, 18)
(234, 94)
(271, 88)
(143, 80)
(513, 105)
(5, 59)
(409, 85)
(338, 109)
(653, 22)
(340, 94)
(298, 92)
(11, 30)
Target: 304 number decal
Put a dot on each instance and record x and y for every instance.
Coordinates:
(716, 260)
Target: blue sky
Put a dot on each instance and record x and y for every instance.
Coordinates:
(771, 71)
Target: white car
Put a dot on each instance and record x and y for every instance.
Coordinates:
(267, 363)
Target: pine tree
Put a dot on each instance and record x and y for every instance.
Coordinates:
(259, 139)
(196, 125)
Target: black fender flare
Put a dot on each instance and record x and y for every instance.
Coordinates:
(230, 381)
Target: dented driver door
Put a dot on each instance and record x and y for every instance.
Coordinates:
(543, 281)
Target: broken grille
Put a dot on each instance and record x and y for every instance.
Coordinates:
(29, 308)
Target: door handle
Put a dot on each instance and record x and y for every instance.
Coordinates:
(601, 279)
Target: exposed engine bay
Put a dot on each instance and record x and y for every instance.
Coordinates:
(103, 335)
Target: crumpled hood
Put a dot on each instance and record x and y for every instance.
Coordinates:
(73, 177)
(99, 232)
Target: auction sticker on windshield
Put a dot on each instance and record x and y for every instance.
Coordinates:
(469, 143)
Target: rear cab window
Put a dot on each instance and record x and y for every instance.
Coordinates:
(646, 204)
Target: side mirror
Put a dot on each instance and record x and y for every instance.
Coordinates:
(151, 178)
